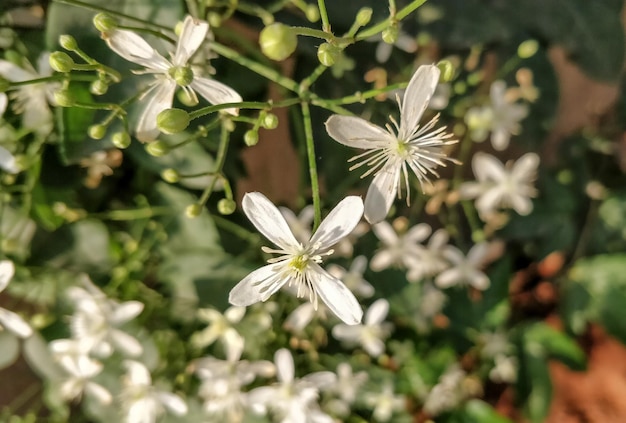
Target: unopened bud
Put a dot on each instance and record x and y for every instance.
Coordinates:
(270, 121)
(364, 16)
(327, 54)
(183, 75)
(98, 87)
(251, 137)
(68, 42)
(312, 13)
(447, 71)
(104, 22)
(527, 49)
(170, 175)
(172, 121)
(278, 41)
(157, 149)
(390, 35)
(64, 98)
(214, 19)
(97, 132)
(226, 206)
(61, 62)
(121, 140)
(193, 210)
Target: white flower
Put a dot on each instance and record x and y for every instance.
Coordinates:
(141, 401)
(385, 402)
(465, 270)
(298, 319)
(31, 100)
(431, 303)
(504, 369)
(501, 117)
(430, 260)
(370, 335)
(8, 319)
(97, 319)
(346, 388)
(299, 263)
(404, 42)
(169, 74)
(391, 152)
(353, 278)
(447, 393)
(293, 400)
(220, 327)
(499, 185)
(398, 250)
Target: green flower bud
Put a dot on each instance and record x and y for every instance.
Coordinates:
(157, 149)
(312, 13)
(193, 210)
(183, 75)
(327, 54)
(97, 132)
(172, 121)
(170, 175)
(104, 22)
(390, 35)
(251, 137)
(68, 42)
(184, 97)
(447, 71)
(61, 62)
(98, 87)
(278, 41)
(527, 49)
(4, 85)
(64, 98)
(364, 16)
(214, 19)
(270, 121)
(228, 125)
(121, 140)
(226, 206)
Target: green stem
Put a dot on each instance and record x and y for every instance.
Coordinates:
(219, 164)
(235, 229)
(310, 148)
(134, 214)
(381, 26)
(309, 80)
(360, 97)
(267, 105)
(324, 15)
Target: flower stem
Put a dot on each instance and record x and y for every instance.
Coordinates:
(261, 105)
(321, 4)
(219, 164)
(381, 26)
(310, 148)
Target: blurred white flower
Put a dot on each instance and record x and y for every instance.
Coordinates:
(143, 403)
(398, 250)
(498, 185)
(31, 100)
(7, 160)
(447, 393)
(496, 346)
(9, 320)
(345, 389)
(404, 42)
(504, 369)
(97, 319)
(299, 263)
(353, 278)
(170, 74)
(431, 303)
(501, 117)
(298, 319)
(385, 402)
(391, 152)
(430, 261)
(293, 400)
(465, 270)
(370, 335)
(220, 326)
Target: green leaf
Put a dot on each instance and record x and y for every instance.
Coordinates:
(478, 411)
(537, 386)
(612, 311)
(555, 344)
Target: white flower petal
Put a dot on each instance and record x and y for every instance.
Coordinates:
(418, 93)
(448, 278)
(137, 373)
(489, 201)
(9, 349)
(469, 190)
(7, 270)
(525, 167)
(479, 280)
(477, 254)
(284, 365)
(487, 167)
(522, 205)
(192, 35)
(159, 98)
(377, 312)
(4, 101)
(339, 223)
(418, 233)
(335, 295)
(99, 392)
(15, 324)
(267, 219)
(257, 286)
(125, 312)
(373, 346)
(384, 231)
(7, 161)
(322, 380)
(173, 403)
(500, 138)
(382, 260)
(216, 93)
(125, 343)
(356, 132)
(14, 73)
(381, 194)
(135, 49)
(347, 333)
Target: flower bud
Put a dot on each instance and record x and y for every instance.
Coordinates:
(98, 87)
(193, 210)
(527, 49)
(104, 22)
(390, 35)
(364, 16)
(214, 19)
(157, 149)
(170, 175)
(226, 206)
(312, 13)
(172, 121)
(447, 71)
(251, 137)
(278, 41)
(327, 54)
(97, 132)
(183, 75)
(121, 140)
(61, 62)
(68, 42)
(64, 98)
(270, 121)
